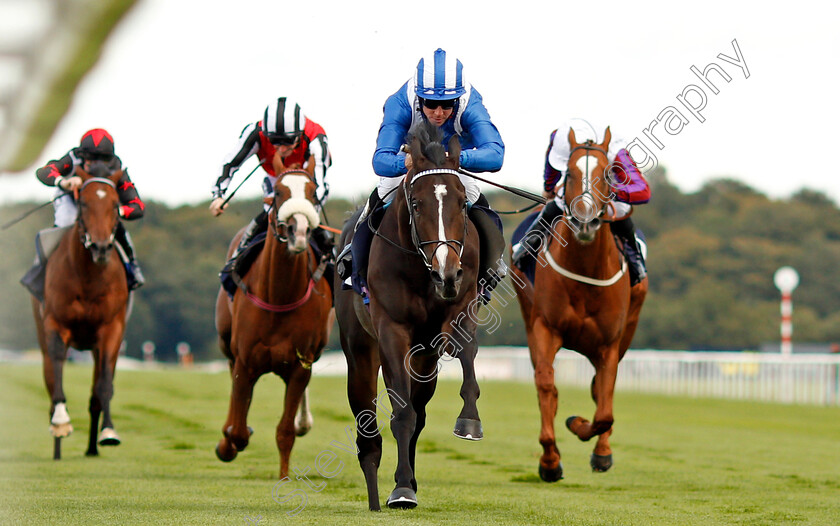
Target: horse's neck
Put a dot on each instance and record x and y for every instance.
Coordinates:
(596, 259)
(282, 274)
(399, 221)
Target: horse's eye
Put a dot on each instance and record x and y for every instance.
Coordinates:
(415, 205)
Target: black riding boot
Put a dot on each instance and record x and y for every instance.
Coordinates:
(626, 230)
(325, 242)
(537, 236)
(363, 237)
(132, 268)
(491, 268)
(257, 225)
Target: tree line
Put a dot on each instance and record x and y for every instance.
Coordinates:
(711, 259)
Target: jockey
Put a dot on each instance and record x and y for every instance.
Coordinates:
(96, 145)
(298, 139)
(633, 191)
(438, 93)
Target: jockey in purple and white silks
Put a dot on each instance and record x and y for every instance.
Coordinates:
(634, 190)
(438, 93)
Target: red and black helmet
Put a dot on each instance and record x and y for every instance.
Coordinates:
(97, 144)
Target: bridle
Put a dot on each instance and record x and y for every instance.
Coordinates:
(587, 192)
(277, 224)
(419, 244)
(87, 242)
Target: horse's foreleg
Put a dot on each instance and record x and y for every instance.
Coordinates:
(285, 434)
(602, 390)
(421, 393)
(394, 342)
(468, 424)
(235, 430)
(105, 363)
(54, 357)
(543, 344)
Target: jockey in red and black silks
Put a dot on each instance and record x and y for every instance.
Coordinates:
(298, 139)
(629, 187)
(95, 145)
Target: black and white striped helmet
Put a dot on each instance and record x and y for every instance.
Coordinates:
(283, 121)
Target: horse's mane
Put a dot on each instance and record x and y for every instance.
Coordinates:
(431, 142)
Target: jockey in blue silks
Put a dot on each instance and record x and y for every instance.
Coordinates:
(439, 94)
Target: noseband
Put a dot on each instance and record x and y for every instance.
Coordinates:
(85, 236)
(454, 244)
(587, 193)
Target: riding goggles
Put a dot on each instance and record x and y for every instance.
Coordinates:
(435, 104)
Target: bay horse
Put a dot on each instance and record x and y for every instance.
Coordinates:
(85, 305)
(581, 299)
(279, 319)
(423, 296)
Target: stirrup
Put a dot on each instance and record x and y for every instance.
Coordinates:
(344, 262)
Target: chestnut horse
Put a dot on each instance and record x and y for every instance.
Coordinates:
(279, 319)
(422, 281)
(85, 305)
(581, 300)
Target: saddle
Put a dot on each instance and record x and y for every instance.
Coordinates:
(233, 271)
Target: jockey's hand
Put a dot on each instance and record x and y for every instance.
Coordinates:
(217, 206)
(408, 162)
(549, 195)
(70, 183)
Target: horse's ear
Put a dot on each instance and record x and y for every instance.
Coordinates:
(80, 172)
(572, 139)
(277, 162)
(416, 151)
(607, 137)
(455, 150)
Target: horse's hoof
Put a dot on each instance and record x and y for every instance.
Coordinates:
(403, 498)
(600, 463)
(468, 429)
(61, 430)
(570, 422)
(109, 437)
(552, 475)
(225, 452)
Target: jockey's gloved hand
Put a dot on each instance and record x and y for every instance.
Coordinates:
(70, 183)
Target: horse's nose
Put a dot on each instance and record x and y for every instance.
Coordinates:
(437, 279)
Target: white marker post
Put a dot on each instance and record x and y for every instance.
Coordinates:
(786, 279)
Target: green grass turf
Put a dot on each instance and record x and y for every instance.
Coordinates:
(677, 460)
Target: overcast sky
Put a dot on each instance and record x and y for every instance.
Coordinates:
(178, 80)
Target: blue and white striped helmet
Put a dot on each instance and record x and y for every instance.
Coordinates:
(439, 77)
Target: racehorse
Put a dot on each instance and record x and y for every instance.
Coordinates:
(279, 319)
(85, 305)
(422, 281)
(581, 299)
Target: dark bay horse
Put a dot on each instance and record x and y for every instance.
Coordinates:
(85, 306)
(581, 300)
(422, 280)
(280, 319)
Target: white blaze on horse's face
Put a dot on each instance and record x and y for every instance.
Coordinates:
(299, 208)
(442, 250)
(101, 194)
(585, 209)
